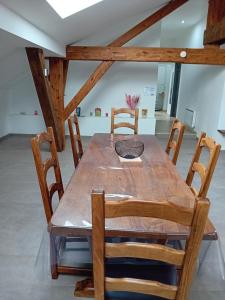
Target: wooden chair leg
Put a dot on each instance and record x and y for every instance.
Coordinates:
(84, 288)
(53, 257)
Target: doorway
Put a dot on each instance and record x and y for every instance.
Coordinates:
(167, 96)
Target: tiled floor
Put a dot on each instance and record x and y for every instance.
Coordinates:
(23, 238)
(164, 122)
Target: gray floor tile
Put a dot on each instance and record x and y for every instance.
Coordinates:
(24, 260)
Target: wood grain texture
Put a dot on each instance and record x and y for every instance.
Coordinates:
(56, 78)
(75, 271)
(145, 251)
(36, 61)
(161, 210)
(65, 72)
(155, 178)
(75, 139)
(176, 128)
(78, 136)
(195, 158)
(138, 54)
(84, 288)
(141, 286)
(98, 243)
(215, 34)
(192, 248)
(120, 41)
(216, 12)
(42, 168)
(100, 212)
(133, 112)
(47, 192)
(205, 171)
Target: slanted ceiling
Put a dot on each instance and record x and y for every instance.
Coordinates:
(78, 27)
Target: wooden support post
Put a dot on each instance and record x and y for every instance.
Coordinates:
(37, 65)
(215, 30)
(123, 39)
(65, 71)
(57, 82)
(176, 55)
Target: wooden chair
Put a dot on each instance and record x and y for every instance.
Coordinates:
(177, 127)
(185, 259)
(75, 139)
(133, 113)
(47, 192)
(205, 172)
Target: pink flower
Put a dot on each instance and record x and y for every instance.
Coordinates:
(132, 101)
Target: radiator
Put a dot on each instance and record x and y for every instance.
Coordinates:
(189, 117)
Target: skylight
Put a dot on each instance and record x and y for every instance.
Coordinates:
(66, 8)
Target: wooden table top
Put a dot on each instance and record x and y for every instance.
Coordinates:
(152, 178)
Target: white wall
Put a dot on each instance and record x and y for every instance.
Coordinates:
(165, 78)
(122, 78)
(18, 98)
(201, 88)
(4, 124)
(168, 86)
(23, 102)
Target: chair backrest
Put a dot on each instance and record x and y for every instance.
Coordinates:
(75, 139)
(205, 172)
(43, 166)
(175, 144)
(132, 112)
(185, 259)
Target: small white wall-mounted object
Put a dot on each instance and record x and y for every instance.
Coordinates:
(183, 54)
(45, 72)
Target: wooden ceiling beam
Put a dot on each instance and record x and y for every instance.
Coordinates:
(36, 60)
(137, 54)
(123, 39)
(215, 30)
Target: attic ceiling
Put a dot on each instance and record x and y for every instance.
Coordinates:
(100, 18)
(84, 23)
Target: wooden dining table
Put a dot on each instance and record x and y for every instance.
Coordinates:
(153, 177)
